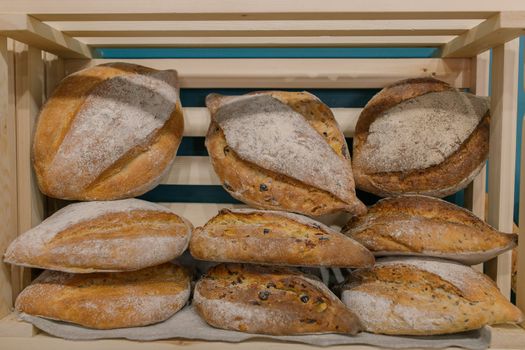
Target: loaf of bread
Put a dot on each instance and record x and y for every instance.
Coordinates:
(275, 238)
(108, 300)
(127, 234)
(420, 136)
(421, 225)
(270, 300)
(108, 132)
(282, 151)
(425, 296)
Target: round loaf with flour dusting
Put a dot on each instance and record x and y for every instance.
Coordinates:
(108, 132)
(108, 300)
(420, 136)
(425, 296)
(270, 300)
(282, 151)
(122, 235)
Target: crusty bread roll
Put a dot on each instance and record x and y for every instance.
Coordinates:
(425, 296)
(275, 238)
(420, 136)
(127, 234)
(108, 300)
(282, 151)
(270, 300)
(108, 132)
(422, 225)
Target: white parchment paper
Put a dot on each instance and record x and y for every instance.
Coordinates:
(187, 324)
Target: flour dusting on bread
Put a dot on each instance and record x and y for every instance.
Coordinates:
(270, 134)
(423, 131)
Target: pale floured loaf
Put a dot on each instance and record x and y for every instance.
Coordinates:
(425, 296)
(420, 136)
(270, 300)
(108, 300)
(122, 235)
(275, 238)
(427, 226)
(108, 132)
(282, 151)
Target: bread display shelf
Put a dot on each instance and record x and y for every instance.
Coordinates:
(41, 42)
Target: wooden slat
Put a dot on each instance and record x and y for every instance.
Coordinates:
(317, 41)
(256, 10)
(39, 35)
(494, 31)
(263, 28)
(304, 73)
(29, 96)
(475, 195)
(502, 153)
(11, 327)
(8, 195)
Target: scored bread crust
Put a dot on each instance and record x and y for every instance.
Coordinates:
(243, 179)
(270, 300)
(275, 238)
(86, 237)
(425, 296)
(439, 180)
(422, 225)
(108, 300)
(138, 170)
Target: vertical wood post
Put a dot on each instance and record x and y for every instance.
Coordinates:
(502, 154)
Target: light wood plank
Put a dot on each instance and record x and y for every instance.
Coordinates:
(8, 181)
(37, 34)
(494, 31)
(254, 9)
(263, 28)
(475, 193)
(520, 279)
(294, 73)
(10, 326)
(306, 41)
(54, 72)
(502, 154)
(29, 96)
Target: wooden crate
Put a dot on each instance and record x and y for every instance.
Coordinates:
(42, 41)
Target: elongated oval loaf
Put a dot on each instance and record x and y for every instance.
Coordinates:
(275, 238)
(420, 136)
(108, 300)
(122, 235)
(425, 296)
(427, 226)
(108, 132)
(270, 300)
(282, 151)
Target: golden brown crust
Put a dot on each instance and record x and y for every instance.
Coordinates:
(91, 236)
(439, 180)
(108, 300)
(133, 174)
(414, 224)
(413, 296)
(244, 180)
(275, 238)
(270, 300)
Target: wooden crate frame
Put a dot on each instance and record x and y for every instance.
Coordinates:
(42, 41)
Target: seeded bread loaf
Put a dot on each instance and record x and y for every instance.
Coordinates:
(275, 238)
(108, 300)
(420, 136)
(122, 235)
(282, 151)
(425, 296)
(108, 132)
(270, 300)
(427, 226)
